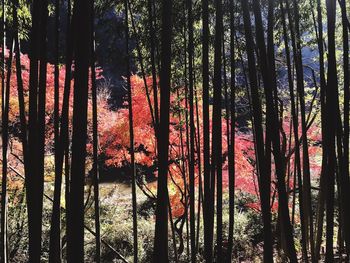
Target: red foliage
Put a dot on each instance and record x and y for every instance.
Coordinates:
(114, 134)
(115, 144)
(14, 106)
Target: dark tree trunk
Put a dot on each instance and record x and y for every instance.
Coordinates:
(31, 188)
(231, 149)
(95, 167)
(200, 181)
(131, 132)
(23, 121)
(36, 128)
(207, 218)
(5, 142)
(216, 168)
(153, 61)
(82, 50)
(160, 253)
(187, 135)
(331, 93)
(61, 154)
(273, 129)
(264, 176)
(321, 196)
(20, 89)
(294, 113)
(192, 134)
(344, 173)
(4, 134)
(184, 198)
(142, 68)
(306, 188)
(55, 234)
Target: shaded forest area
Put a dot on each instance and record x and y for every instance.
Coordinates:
(175, 131)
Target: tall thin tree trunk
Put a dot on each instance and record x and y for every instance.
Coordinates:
(331, 124)
(321, 196)
(5, 141)
(192, 134)
(31, 189)
(231, 149)
(61, 153)
(143, 72)
(306, 163)
(20, 88)
(264, 176)
(183, 165)
(187, 135)
(131, 132)
(55, 234)
(82, 31)
(208, 223)
(344, 165)
(294, 113)
(36, 128)
(267, 72)
(200, 181)
(41, 121)
(216, 168)
(95, 168)
(160, 253)
(4, 133)
(153, 61)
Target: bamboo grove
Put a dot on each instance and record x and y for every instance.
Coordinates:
(223, 101)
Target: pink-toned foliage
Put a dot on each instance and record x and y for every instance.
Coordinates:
(114, 134)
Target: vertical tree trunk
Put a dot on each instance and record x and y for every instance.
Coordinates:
(63, 148)
(216, 168)
(31, 188)
(294, 113)
(184, 198)
(321, 196)
(153, 61)
(160, 253)
(187, 135)
(131, 131)
(36, 128)
(20, 90)
(331, 123)
(65, 134)
(200, 180)
(95, 167)
(3, 241)
(231, 156)
(346, 84)
(5, 141)
(208, 224)
(306, 163)
(264, 176)
(143, 72)
(82, 31)
(55, 233)
(192, 134)
(273, 129)
(344, 173)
